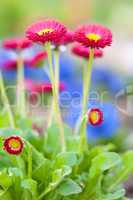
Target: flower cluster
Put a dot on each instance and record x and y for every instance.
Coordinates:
(88, 41)
(94, 36)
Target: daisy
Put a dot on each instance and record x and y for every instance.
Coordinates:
(44, 87)
(46, 31)
(95, 116)
(39, 57)
(34, 61)
(17, 43)
(84, 52)
(13, 145)
(93, 35)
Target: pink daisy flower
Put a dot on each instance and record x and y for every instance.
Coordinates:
(94, 36)
(44, 87)
(36, 60)
(85, 52)
(39, 57)
(17, 43)
(95, 116)
(46, 31)
(13, 145)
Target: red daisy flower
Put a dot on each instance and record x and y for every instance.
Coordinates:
(95, 116)
(36, 59)
(85, 52)
(94, 36)
(44, 31)
(13, 145)
(17, 43)
(44, 87)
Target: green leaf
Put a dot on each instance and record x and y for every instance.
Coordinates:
(1, 142)
(57, 177)
(114, 196)
(36, 140)
(43, 172)
(128, 161)
(123, 172)
(103, 162)
(37, 157)
(67, 158)
(5, 195)
(5, 179)
(24, 123)
(17, 162)
(52, 141)
(6, 132)
(69, 187)
(15, 171)
(17, 175)
(4, 120)
(59, 174)
(72, 143)
(30, 185)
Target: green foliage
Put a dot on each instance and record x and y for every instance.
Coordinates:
(96, 174)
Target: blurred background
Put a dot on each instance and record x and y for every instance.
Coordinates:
(16, 15)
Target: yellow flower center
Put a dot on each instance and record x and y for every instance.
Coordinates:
(46, 30)
(14, 144)
(93, 37)
(94, 116)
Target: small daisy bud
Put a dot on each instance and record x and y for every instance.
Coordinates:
(95, 117)
(13, 145)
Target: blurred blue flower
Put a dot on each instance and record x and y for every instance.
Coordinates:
(9, 76)
(102, 76)
(70, 74)
(107, 129)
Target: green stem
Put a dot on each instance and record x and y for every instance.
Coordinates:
(6, 102)
(86, 89)
(83, 146)
(56, 96)
(30, 162)
(50, 117)
(56, 64)
(21, 101)
(57, 70)
(87, 81)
